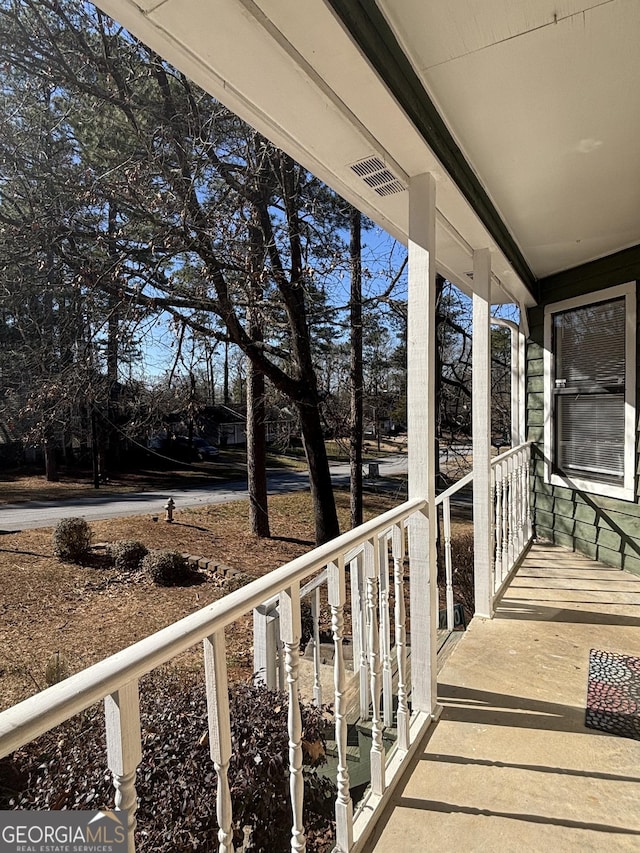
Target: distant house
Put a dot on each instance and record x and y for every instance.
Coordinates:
(226, 425)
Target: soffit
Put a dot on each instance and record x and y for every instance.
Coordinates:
(541, 97)
(298, 77)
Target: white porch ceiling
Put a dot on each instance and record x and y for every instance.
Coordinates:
(539, 96)
(542, 97)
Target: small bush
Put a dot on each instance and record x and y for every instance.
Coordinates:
(128, 554)
(72, 540)
(237, 581)
(176, 782)
(167, 568)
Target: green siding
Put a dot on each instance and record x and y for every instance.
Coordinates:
(536, 419)
(632, 563)
(605, 529)
(535, 369)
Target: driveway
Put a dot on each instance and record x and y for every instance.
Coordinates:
(30, 514)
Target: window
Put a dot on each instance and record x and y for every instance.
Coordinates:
(590, 392)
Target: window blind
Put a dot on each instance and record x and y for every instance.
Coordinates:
(590, 430)
(590, 345)
(589, 395)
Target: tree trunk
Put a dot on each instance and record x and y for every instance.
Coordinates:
(225, 386)
(324, 506)
(438, 371)
(257, 452)
(50, 463)
(256, 409)
(95, 456)
(438, 416)
(113, 437)
(191, 409)
(356, 372)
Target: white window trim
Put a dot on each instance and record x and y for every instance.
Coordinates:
(626, 491)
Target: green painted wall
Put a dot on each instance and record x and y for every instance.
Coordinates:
(605, 529)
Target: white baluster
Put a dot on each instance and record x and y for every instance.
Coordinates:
(344, 806)
(124, 750)
(385, 634)
(359, 622)
(290, 628)
(265, 645)
(356, 614)
(282, 679)
(215, 670)
(512, 513)
(315, 618)
(493, 539)
(402, 717)
(523, 509)
(515, 500)
(520, 495)
(527, 494)
(448, 562)
(372, 572)
(504, 468)
(497, 475)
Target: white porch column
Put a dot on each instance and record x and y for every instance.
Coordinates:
(421, 439)
(481, 388)
(515, 386)
(522, 386)
(517, 371)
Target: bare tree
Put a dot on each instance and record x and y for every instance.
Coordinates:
(356, 374)
(185, 177)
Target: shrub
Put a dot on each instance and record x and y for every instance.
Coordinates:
(72, 540)
(128, 554)
(462, 561)
(12, 781)
(236, 581)
(176, 781)
(167, 568)
(259, 771)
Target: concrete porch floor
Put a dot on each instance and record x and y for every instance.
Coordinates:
(510, 765)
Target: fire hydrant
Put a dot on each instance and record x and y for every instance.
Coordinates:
(168, 507)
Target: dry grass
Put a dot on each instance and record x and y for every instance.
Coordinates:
(85, 614)
(231, 465)
(35, 488)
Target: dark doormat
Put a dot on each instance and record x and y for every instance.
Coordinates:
(613, 694)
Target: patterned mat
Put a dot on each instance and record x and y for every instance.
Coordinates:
(613, 695)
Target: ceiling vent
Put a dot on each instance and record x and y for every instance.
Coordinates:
(378, 176)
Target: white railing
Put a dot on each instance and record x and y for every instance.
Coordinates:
(375, 554)
(512, 530)
(268, 654)
(444, 500)
(115, 680)
(511, 534)
(512, 527)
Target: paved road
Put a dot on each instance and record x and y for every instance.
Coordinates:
(30, 514)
